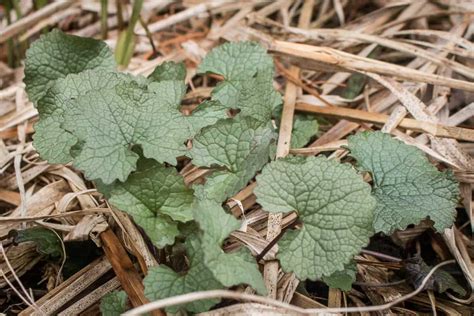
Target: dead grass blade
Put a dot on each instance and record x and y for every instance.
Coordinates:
(377, 118)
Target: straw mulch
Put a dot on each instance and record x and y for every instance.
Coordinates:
(401, 66)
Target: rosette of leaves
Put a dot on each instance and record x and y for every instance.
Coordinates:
(126, 132)
(406, 186)
(334, 204)
(209, 266)
(93, 116)
(156, 197)
(239, 147)
(247, 70)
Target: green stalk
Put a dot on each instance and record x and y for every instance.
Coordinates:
(10, 43)
(103, 18)
(120, 23)
(40, 3)
(126, 41)
(22, 46)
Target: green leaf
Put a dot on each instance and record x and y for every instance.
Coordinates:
(406, 186)
(162, 282)
(206, 114)
(357, 81)
(168, 70)
(97, 119)
(332, 201)
(126, 41)
(257, 97)
(170, 92)
(342, 279)
(232, 268)
(68, 115)
(55, 55)
(355, 86)
(305, 127)
(236, 61)
(248, 73)
(114, 303)
(229, 143)
(210, 268)
(220, 185)
(47, 242)
(445, 281)
(125, 48)
(241, 146)
(441, 281)
(51, 140)
(111, 121)
(254, 97)
(157, 199)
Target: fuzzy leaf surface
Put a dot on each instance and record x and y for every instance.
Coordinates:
(206, 114)
(248, 73)
(342, 279)
(236, 61)
(55, 55)
(108, 113)
(210, 268)
(407, 187)
(162, 281)
(228, 268)
(110, 121)
(257, 98)
(169, 91)
(113, 303)
(157, 199)
(51, 140)
(168, 71)
(305, 127)
(220, 185)
(240, 145)
(332, 201)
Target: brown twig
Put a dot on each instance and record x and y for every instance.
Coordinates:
(337, 60)
(126, 273)
(378, 118)
(274, 241)
(288, 75)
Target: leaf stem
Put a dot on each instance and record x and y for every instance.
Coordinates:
(103, 18)
(126, 41)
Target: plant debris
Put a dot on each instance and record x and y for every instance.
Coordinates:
(249, 157)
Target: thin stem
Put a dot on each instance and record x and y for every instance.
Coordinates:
(22, 45)
(40, 3)
(104, 12)
(126, 42)
(10, 42)
(120, 22)
(381, 255)
(137, 7)
(149, 36)
(377, 285)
